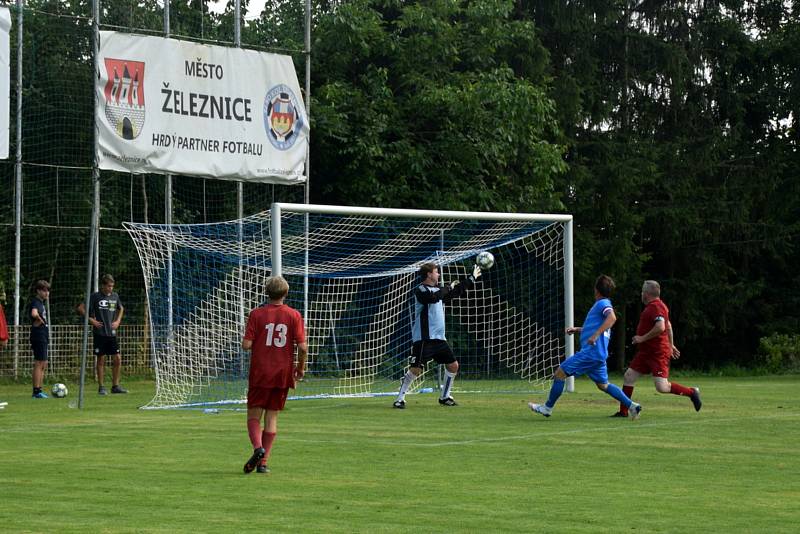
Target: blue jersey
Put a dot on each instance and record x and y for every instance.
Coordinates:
(597, 314)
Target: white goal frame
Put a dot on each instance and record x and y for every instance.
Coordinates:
(280, 207)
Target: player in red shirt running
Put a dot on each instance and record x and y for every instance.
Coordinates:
(655, 350)
(273, 331)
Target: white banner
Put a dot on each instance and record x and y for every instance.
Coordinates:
(5, 76)
(168, 106)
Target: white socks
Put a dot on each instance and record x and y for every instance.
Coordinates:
(408, 379)
(449, 378)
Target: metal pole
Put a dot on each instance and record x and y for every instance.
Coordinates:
(240, 239)
(237, 38)
(87, 301)
(307, 186)
(275, 236)
(95, 168)
(95, 247)
(92, 257)
(96, 221)
(237, 23)
(166, 18)
(569, 291)
(168, 214)
(307, 100)
(18, 193)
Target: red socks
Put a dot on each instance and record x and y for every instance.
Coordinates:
(677, 389)
(267, 438)
(254, 431)
(627, 390)
(260, 438)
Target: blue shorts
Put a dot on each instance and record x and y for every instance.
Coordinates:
(589, 362)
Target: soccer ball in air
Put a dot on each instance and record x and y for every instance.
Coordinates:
(485, 260)
(59, 391)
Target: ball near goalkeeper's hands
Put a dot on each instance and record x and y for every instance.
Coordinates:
(476, 271)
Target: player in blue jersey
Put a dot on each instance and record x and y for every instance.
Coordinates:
(591, 359)
(427, 332)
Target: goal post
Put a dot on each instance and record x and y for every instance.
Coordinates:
(352, 271)
(567, 220)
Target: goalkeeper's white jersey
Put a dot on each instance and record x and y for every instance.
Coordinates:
(429, 308)
(428, 314)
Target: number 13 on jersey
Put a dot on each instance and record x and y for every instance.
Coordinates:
(276, 334)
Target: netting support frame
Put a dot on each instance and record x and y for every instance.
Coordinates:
(569, 311)
(569, 304)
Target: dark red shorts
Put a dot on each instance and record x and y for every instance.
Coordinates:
(648, 364)
(267, 398)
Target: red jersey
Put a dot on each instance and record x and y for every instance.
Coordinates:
(658, 346)
(3, 325)
(274, 329)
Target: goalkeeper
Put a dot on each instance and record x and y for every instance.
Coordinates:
(427, 333)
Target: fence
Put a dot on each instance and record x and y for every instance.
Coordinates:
(66, 349)
(48, 183)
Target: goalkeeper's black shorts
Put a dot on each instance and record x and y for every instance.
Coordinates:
(432, 349)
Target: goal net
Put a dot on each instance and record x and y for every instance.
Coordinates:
(352, 272)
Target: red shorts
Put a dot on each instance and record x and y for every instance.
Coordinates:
(267, 398)
(657, 366)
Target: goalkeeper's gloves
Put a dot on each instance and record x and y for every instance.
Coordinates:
(453, 284)
(476, 271)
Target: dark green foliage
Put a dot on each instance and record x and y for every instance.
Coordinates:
(780, 353)
(435, 105)
(57, 157)
(669, 129)
(681, 150)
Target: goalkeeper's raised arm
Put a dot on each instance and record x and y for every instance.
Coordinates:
(446, 293)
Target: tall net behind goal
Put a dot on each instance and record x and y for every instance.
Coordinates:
(352, 272)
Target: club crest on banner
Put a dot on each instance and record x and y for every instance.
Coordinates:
(282, 119)
(124, 94)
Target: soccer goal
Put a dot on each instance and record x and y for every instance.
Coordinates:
(352, 272)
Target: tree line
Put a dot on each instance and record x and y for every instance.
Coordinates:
(667, 128)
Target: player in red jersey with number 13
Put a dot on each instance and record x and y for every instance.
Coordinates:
(273, 331)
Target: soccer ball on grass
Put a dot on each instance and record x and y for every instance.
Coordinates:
(485, 260)
(59, 391)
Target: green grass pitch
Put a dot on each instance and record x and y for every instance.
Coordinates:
(357, 465)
